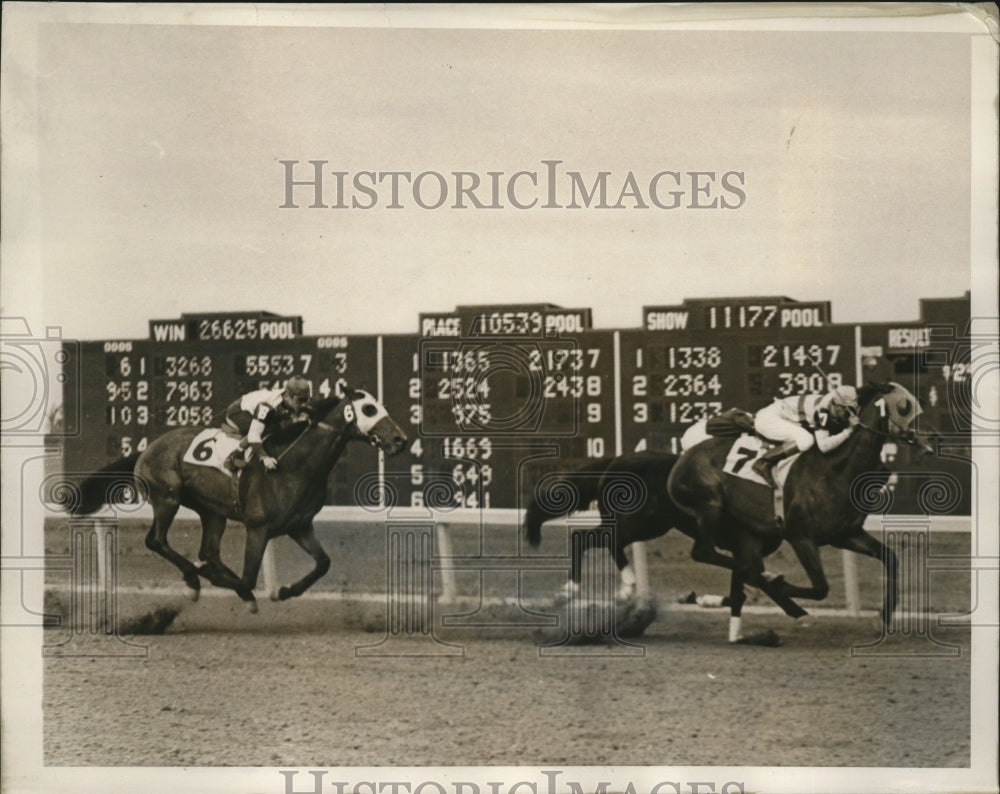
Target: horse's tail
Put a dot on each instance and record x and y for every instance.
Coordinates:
(114, 483)
(557, 496)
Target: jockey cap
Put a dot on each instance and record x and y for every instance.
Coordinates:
(846, 396)
(298, 387)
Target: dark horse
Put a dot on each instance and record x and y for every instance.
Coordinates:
(823, 504)
(631, 496)
(270, 504)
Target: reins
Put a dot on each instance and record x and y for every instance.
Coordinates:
(882, 433)
(294, 441)
(873, 431)
(321, 425)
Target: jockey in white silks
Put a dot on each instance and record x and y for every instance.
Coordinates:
(826, 420)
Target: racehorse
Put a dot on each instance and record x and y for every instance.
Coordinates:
(631, 496)
(822, 503)
(270, 504)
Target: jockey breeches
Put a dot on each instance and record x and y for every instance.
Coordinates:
(237, 421)
(769, 423)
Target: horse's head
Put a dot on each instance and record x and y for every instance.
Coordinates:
(891, 410)
(358, 413)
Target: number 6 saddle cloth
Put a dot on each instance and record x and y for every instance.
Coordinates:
(211, 447)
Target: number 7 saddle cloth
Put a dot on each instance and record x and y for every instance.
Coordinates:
(211, 447)
(742, 454)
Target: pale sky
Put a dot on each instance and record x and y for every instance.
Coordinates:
(159, 182)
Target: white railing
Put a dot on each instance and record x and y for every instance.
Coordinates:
(444, 519)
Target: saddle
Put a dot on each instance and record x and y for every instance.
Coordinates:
(731, 423)
(219, 449)
(747, 447)
(236, 461)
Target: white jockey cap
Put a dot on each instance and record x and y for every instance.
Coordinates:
(846, 395)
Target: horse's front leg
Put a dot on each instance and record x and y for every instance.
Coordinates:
(808, 555)
(252, 555)
(305, 536)
(863, 543)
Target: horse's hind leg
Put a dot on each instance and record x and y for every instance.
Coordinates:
(626, 589)
(306, 538)
(737, 596)
(213, 526)
(581, 541)
(164, 510)
(863, 543)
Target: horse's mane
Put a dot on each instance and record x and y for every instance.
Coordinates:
(871, 391)
(319, 406)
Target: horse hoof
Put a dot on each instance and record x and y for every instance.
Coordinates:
(251, 606)
(284, 593)
(192, 593)
(768, 639)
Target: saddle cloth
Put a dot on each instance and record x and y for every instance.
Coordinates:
(210, 448)
(742, 454)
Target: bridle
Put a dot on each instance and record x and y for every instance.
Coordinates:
(904, 435)
(348, 409)
(350, 418)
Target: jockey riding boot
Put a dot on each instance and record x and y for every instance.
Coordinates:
(238, 458)
(765, 463)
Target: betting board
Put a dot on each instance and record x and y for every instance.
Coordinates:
(492, 397)
(187, 372)
(496, 395)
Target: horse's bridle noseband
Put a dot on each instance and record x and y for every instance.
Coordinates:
(372, 439)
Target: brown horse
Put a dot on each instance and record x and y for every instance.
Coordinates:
(822, 503)
(270, 504)
(631, 497)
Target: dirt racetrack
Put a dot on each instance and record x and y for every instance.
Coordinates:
(292, 692)
(313, 682)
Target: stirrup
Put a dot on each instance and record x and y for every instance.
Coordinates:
(765, 470)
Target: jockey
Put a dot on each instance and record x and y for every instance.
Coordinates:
(827, 420)
(258, 411)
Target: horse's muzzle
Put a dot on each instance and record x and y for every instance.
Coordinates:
(391, 446)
